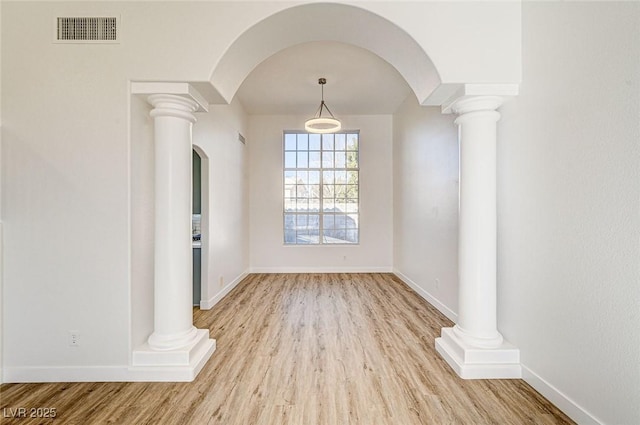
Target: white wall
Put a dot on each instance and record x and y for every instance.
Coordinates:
(480, 55)
(142, 176)
(65, 198)
(226, 243)
(569, 209)
(268, 252)
(425, 199)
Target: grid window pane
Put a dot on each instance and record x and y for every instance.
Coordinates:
(290, 142)
(303, 159)
(321, 188)
(340, 142)
(302, 191)
(327, 142)
(314, 205)
(303, 142)
(289, 160)
(314, 142)
(301, 221)
(328, 191)
(327, 159)
(351, 192)
(352, 142)
(327, 177)
(314, 191)
(302, 177)
(315, 160)
(328, 221)
(352, 159)
(328, 205)
(314, 222)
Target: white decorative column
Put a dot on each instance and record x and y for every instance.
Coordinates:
(473, 347)
(173, 266)
(175, 343)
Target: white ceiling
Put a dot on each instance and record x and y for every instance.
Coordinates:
(358, 82)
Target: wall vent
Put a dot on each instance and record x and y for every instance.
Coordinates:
(242, 139)
(84, 29)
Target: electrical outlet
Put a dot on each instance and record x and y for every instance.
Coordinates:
(221, 281)
(437, 282)
(74, 338)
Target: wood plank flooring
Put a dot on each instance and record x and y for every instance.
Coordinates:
(305, 349)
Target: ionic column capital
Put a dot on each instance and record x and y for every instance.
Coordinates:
(171, 105)
(178, 100)
(466, 104)
(478, 97)
(475, 107)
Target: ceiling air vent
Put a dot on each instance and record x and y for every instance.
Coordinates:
(87, 29)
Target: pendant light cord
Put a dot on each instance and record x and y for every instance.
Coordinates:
(323, 105)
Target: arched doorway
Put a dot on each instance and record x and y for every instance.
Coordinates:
(344, 24)
(200, 225)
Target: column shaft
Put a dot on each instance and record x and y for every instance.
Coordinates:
(477, 321)
(173, 317)
(473, 347)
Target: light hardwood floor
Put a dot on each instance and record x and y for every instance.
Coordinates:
(305, 349)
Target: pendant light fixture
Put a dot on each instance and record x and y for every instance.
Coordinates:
(319, 123)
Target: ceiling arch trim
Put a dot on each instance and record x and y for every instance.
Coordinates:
(325, 22)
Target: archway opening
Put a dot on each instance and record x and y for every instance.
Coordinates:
(200, 224)
(340, 23)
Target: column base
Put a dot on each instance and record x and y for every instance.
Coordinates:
(181, 364)
(502, 362)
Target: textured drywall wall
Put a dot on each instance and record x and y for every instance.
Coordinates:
(569, 208)
(425, 203)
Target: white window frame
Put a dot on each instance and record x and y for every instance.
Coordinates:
(354, 216)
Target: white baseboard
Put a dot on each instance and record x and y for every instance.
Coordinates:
(559, 399)
(451, 315)
(65, 374)
(331, 269)
(98, 374)
(152, 368)
(207, 304)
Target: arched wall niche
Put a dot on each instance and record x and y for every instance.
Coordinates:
(325, 22)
